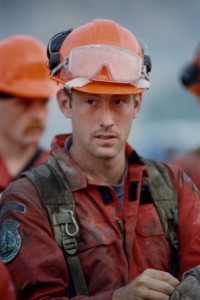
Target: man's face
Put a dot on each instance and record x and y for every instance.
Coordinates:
(101, 123)
(23, 121)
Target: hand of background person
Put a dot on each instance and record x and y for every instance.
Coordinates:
(189, 287)
(149, 285)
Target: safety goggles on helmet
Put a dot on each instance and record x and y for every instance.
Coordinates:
(87, 61)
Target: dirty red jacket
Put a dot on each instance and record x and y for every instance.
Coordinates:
(190, 163)
(110, 258)
(7, 290)
(5, 177)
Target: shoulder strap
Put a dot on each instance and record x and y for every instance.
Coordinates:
(58, 200)
(165, 199)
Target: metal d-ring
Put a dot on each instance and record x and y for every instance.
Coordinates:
(73, 221)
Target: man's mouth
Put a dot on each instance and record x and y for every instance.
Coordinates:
(106, 137)
(34, 127)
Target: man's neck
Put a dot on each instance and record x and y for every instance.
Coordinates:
(109, 170)
(15, 157)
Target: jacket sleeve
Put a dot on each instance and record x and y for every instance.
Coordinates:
(188, 219)
(28, 247)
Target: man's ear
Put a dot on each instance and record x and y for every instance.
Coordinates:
(137, 104)
(64, 102)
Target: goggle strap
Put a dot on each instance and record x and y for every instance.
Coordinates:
(144, 73)
(57, 68)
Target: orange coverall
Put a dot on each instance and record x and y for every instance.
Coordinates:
(5, 177)
(111, 255)
(7, 291)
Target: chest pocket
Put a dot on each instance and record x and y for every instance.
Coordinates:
(94, 235)
(148, 222)
(150, 240)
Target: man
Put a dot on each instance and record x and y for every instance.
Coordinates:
(7, 290)
(190, 78)
(25, 90)
(121, 244)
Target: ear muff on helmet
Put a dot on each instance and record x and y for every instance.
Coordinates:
(147, 62)
(147, 58)
(190, 75)
(53, 48)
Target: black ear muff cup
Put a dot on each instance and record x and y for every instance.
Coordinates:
(190, 75)
(53, 48)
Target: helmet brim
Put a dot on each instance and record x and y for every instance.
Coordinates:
(30, 90)
(109, 88)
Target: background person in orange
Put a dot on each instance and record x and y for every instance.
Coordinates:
(190, 78)
(25, 90)
(7, 290)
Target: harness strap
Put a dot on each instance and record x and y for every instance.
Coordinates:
(58, 200)
(165, 200)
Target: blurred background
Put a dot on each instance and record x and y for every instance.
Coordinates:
(169, 120)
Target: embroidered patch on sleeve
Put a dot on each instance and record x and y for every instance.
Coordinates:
(21, 208)
(10, 240)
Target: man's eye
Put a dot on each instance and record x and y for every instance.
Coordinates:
(90, 101)
(118, 101)
(24, 104)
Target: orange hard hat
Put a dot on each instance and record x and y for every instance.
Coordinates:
(190, 74)
(100, 57)
(23, 70)
(7, 290)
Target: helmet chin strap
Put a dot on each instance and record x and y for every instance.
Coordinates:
(76, 82)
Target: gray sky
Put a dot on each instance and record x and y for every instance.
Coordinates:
(171, 30)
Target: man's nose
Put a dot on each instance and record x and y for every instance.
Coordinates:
(39, 110)
(105, 116)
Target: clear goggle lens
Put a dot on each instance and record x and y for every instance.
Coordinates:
(87, 61)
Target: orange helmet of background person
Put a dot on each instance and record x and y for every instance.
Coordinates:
(23, 70)
(100, 32)
(7, 291)
(190, 75)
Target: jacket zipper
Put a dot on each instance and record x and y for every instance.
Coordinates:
(120, 223)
